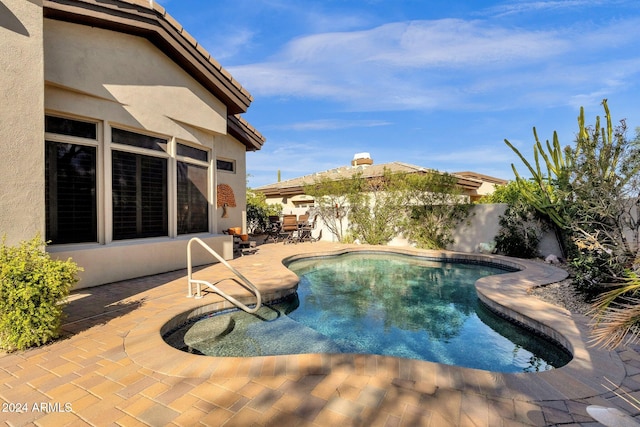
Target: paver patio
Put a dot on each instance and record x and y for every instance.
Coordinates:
(112, 368)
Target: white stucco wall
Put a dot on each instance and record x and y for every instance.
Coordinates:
(237, 180)
(481, 226)
(127, 259)
(21, 120)
(125, 81)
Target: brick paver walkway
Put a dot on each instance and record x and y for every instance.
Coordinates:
(113, 369)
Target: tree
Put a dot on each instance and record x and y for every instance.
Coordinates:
(435, 205)
(258, 211)
(376, 208)
(332, 201)
(425, 207)
(521, 225)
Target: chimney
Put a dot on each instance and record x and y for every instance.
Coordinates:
(361, 159)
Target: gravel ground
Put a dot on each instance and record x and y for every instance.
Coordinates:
(563, 294)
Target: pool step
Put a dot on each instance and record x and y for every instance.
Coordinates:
(240, 334)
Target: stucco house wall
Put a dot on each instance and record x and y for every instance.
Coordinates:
(118, 81)
(236, 180)
(21, 120)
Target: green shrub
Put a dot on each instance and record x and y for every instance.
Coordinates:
(33, 288)
(520, 231)
(258, 212)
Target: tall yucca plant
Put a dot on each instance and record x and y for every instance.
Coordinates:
(548, 200)
(548, 194)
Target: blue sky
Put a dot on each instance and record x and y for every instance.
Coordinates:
(434, 83)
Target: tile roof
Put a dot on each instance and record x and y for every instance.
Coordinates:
(482, 177)
(295, 186)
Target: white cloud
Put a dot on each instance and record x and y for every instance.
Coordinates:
(553, 5)
(395, 66)
(295, 159)
(444, 64)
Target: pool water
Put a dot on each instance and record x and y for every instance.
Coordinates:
(379, 303)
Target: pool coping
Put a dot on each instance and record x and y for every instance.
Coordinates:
(584, 376)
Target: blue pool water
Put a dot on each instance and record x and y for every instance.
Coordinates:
(379, 303)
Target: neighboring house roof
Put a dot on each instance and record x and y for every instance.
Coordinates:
(482, 177)
(146, 18)
(295, 186)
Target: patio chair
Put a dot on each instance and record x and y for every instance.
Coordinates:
(289, 229)
(273, 229)
(307, 228)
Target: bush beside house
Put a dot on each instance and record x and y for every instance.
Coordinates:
(33, 290)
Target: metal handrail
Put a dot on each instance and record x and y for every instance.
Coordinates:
(245, 283)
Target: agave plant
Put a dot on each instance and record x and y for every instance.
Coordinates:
(616, 314)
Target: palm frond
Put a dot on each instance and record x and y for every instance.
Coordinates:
(619, 324)
(630, 286)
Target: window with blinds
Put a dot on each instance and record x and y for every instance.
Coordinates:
(193, 206)
(70, 193)
(225, 165)
(139, 192)
(70, 181)
(148, 176)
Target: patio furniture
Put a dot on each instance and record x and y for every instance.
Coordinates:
(289, 229)
(306, 228)
(248, 247)
(273, 229)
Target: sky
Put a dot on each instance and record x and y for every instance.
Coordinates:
(435, 83)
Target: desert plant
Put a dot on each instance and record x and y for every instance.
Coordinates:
(590, 192)
(33, 289)
(435, 206)
(597, 196)
(376, 209)
(616, 314)
(605, 194)
(521, 225)
(332, 201)
(549, 194)
(258, 211)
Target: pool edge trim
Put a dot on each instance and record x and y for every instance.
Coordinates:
(584, 376)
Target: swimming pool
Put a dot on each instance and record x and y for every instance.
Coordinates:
(372, 303)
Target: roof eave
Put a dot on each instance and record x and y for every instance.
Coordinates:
(153, 23)
(245, 133)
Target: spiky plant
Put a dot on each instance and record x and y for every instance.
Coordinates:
(616, 315)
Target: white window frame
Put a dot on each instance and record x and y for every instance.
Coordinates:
(97, 144)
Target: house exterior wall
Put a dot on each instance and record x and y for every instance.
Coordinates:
(124, 79)
(486, 188)
(22, 120)
(286, 202)
(114, 80)
(232, 150)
